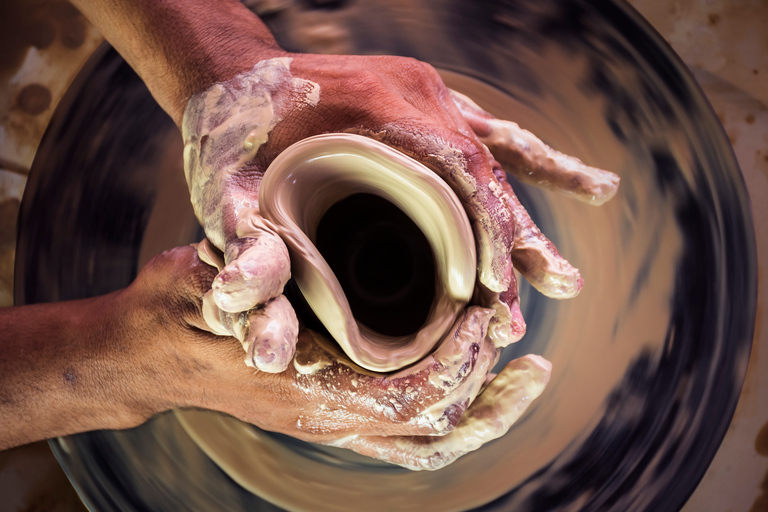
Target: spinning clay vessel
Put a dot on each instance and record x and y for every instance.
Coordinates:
(314, 176)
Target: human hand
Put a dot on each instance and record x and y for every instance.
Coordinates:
(235, 129)
(232, 131)
(420, 418)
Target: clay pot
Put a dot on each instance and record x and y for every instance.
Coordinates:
(381, 248)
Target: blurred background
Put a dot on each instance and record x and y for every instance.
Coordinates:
(724, 42)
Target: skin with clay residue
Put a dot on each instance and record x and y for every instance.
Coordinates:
(223, 129)
(499, 406)
(268, 344)
(528, 159)
(268, 333)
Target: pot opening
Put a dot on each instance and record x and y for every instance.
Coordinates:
(382, 260)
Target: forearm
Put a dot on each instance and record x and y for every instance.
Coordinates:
(64, 368)
(179, 47)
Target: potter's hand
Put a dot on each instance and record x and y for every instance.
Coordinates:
(123, 357)
(243, 100)
(419, 418)
(234, 129)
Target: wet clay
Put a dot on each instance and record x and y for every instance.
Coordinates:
(313, 175)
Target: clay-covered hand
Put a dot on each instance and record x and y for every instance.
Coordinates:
(529, 160)
(419, 418)
(233, 130)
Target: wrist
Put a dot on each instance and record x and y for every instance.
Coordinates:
(123, 392)
(168, 360)
(181, 47)
(66, 369)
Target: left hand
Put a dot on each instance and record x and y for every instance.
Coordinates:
(419, 418)
(233, 131)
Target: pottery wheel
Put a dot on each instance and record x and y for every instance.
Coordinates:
(648, 360)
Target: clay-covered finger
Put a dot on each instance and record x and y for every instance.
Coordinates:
(257, 270)
(270, 336)
(536, 257)
(425, 399)
(527, 158)
(500, 405)
(268, 333)
(507, 325)
(461, 363)
(448, 367)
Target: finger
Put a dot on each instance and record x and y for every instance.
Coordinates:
(466, 166)
(500, 405)
(425, 399)
(507, 325)
(462, 361)
(257, 270)
(537, 258)
(488, 379)
(531, 161)
(270, 336)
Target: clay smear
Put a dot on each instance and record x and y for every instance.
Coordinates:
(224, 127)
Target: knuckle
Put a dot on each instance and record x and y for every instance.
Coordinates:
(474, 151)
(201, 278)
(440, 424)
(423, 456)
(393, 409)
(434, 460)
(414, 68)
(365, 84)
(424, 78)
(418, 75)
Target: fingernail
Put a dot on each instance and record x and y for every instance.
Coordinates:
(233, 292)
(273, 331)
(566, 285)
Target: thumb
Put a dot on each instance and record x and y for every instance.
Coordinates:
(268, 333)
(270, 337)
(257, 269)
